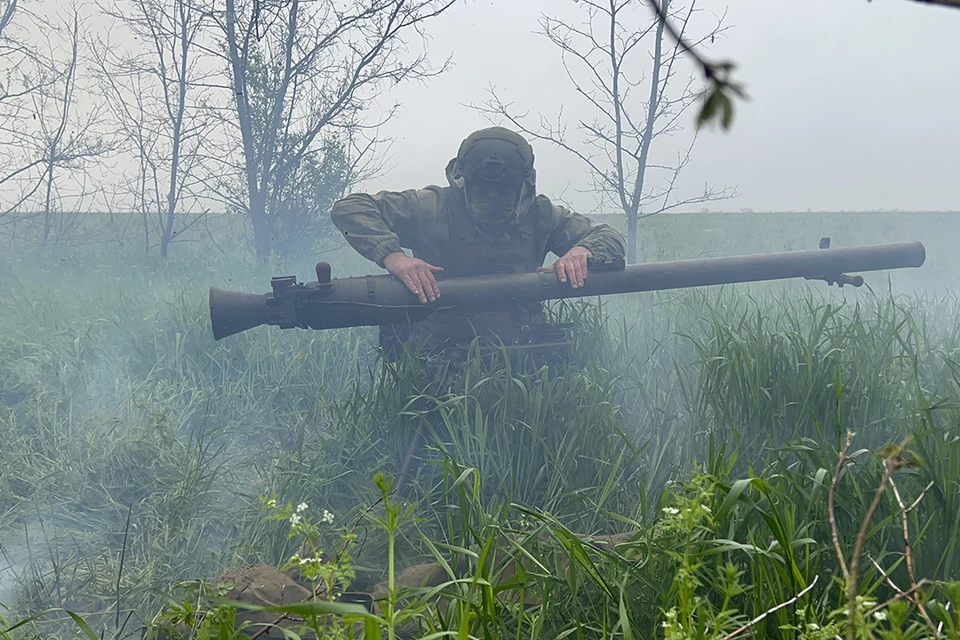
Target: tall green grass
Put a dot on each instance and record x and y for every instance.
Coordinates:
(115, 402)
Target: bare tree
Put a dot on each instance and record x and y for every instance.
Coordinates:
(50, 140)
(156, 94)
(603, 57)
(302, 74)
(23, 73)
(67, 138)
(139, 186)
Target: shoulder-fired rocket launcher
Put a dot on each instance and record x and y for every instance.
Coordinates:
(329, 303)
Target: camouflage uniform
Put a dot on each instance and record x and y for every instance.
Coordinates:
(440, 227)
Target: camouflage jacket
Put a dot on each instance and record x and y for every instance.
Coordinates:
(434, 224)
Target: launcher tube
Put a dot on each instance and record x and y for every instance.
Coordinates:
(377, 300)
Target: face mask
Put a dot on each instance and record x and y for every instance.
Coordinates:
(492, 211)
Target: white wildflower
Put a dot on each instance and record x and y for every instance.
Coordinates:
(295, 519)
(813, 626)
(707, 509)
(879, 616)
(327, 517)
(272, 503)
(301, 507)
(670, 511)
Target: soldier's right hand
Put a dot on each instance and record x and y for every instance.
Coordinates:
(415, 273)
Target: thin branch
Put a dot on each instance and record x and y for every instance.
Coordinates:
(908, 550)
(853, 580)
(900, 596)
(716, 72)
(841, 461)
(953, 4)
(885, 575)
(766, 613)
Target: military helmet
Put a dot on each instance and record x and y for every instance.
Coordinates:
(495, 154)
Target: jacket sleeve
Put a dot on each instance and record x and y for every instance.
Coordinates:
(378, 225)
(570, 229)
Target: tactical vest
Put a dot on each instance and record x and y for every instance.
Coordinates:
(470, 252)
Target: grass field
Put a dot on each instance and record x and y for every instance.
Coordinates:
(704, 426)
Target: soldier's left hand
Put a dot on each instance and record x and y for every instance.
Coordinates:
(572, 266)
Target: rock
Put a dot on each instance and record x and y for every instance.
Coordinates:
(261, 585)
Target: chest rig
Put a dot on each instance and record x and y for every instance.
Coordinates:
(471, 252)
(521, 329)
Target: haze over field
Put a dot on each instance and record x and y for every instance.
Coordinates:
(852, 103)
(169, 432)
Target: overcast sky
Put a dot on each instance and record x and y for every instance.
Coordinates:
(853, 105)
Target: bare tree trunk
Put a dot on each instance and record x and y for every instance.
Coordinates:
(304, 74)
(262, 227)
(646, 140)
(48, 196)
(256, 201)
(65, 102)
(142, 196)
(7, 17)
(632, 237)
(617, 142)
(271, 171)
(156, 90)
(184, 41)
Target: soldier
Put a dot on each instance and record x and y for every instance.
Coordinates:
(488, 220)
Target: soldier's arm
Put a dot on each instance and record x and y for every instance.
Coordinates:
(570, 229)
(380, 224)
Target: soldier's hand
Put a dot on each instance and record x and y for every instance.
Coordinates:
(415, 273)
(572, 266)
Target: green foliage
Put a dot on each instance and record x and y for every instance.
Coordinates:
(298, 177)
(718, 99)
(195, 615)
(701, 428)
(302, 224)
